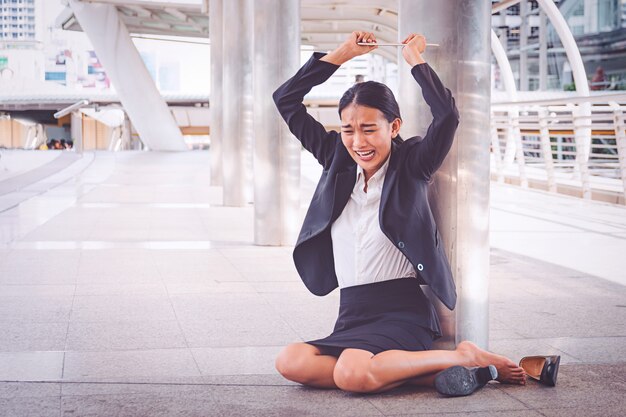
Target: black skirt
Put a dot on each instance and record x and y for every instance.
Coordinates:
(385, 315)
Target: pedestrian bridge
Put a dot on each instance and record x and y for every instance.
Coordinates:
(149, 279)
(126, 284)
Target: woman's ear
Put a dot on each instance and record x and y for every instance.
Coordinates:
(395, 127)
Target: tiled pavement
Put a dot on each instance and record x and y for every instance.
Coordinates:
(129, 290)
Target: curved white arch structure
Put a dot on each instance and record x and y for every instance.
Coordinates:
(514, 136)
(582, 112)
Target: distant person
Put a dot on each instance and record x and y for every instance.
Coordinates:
(359, 78)
(598, 81)
(69, 144)
(378, 243)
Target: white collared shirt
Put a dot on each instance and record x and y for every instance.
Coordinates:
(362, 252)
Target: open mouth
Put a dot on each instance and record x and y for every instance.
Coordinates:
(365, 155)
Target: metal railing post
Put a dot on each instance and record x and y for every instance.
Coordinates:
(620, 141)
(582, 140)
(546, 148)
(519, 147)
(497, 152)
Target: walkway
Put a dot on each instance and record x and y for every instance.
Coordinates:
(130, 291)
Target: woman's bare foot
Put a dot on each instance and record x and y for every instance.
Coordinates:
(508, 371)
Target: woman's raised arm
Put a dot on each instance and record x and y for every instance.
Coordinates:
(426, 156)
(289, 96)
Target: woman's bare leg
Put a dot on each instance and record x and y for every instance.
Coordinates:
(427, 380)
(305, 364)
(358, 370)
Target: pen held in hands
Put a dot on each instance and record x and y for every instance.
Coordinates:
(390, 44)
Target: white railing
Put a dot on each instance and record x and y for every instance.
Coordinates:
(555, 146)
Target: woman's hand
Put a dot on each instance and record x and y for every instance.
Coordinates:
(415, 47)
(349, 49)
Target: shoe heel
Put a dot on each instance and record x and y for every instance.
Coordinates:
(550, 371)
(486, 374)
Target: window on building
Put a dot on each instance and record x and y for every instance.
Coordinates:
(578, 30)
(513, 10)
(512, 32)
(534, 32)
(608, 15)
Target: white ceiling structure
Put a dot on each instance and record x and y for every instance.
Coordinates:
(143, 17)
(325, 23)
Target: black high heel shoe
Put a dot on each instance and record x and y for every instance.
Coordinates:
(458, 380)
(542, 368)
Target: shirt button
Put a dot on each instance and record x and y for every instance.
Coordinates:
(401, 245)
(420, 267)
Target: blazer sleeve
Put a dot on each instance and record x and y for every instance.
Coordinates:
(288, 98)
(428, 154)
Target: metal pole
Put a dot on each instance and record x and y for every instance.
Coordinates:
(497, 152)
(543, 51)
(238, 38)
(511, 89)
(620, 139)
(546, 148)
(582, 139)
(76, 131)
(276, 152)
(523, 44)
(519, 148)
(459, 195)
(217, 132)
(582, 114)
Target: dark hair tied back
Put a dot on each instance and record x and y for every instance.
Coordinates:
(372, 94)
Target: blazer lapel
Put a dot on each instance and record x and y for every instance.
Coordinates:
(344, 184)
(390, 178)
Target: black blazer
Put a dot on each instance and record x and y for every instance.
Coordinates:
(405, 216)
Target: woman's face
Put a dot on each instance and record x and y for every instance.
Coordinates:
(367, 135)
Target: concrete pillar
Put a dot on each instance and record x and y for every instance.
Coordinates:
(217, 133)
(459, 195)
(134, 86)
(238, 42)
(276, 152)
